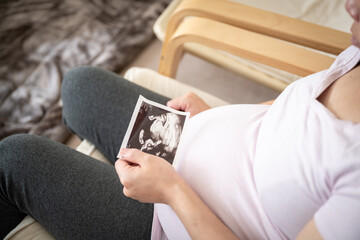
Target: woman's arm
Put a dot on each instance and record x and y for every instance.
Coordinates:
(198, 219)
(148, 178)
(309, 232)
(268, 102)
(192, 103)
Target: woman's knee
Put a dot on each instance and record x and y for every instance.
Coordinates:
(15, 144)
(76, 82)
(26, 155)
(18, 150)
(77, 91)
(86, 93)
(81, 82)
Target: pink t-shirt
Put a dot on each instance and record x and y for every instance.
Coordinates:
(265, 171)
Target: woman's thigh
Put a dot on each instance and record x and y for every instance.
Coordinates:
(72, 195)
(98, 106)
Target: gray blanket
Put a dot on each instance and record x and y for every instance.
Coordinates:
(40, 40)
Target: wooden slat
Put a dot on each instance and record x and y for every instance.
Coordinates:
(264, 22)
(243, 43)
(232, 64)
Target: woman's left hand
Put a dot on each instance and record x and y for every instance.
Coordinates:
(145, 177)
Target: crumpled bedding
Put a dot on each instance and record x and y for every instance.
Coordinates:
(41, 40)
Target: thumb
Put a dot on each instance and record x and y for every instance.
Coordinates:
(131, 155)
(121, 166)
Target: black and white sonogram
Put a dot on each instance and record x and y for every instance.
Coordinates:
(155, 129)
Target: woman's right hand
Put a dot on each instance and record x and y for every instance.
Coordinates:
(147, 178)
(151, 179)
(190, 102)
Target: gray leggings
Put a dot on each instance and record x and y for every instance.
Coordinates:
(73, 195)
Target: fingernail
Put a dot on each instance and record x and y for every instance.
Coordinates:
(123, 151)
(353, 12)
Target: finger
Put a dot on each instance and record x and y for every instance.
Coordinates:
(121, 166)
(175, 103)
(126, 192)
(172, 103)
(352, 9)
(125, 173)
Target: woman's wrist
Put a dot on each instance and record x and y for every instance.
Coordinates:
(176, 191)
(199, 221)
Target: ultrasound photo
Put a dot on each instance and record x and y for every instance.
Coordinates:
(155, 129)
